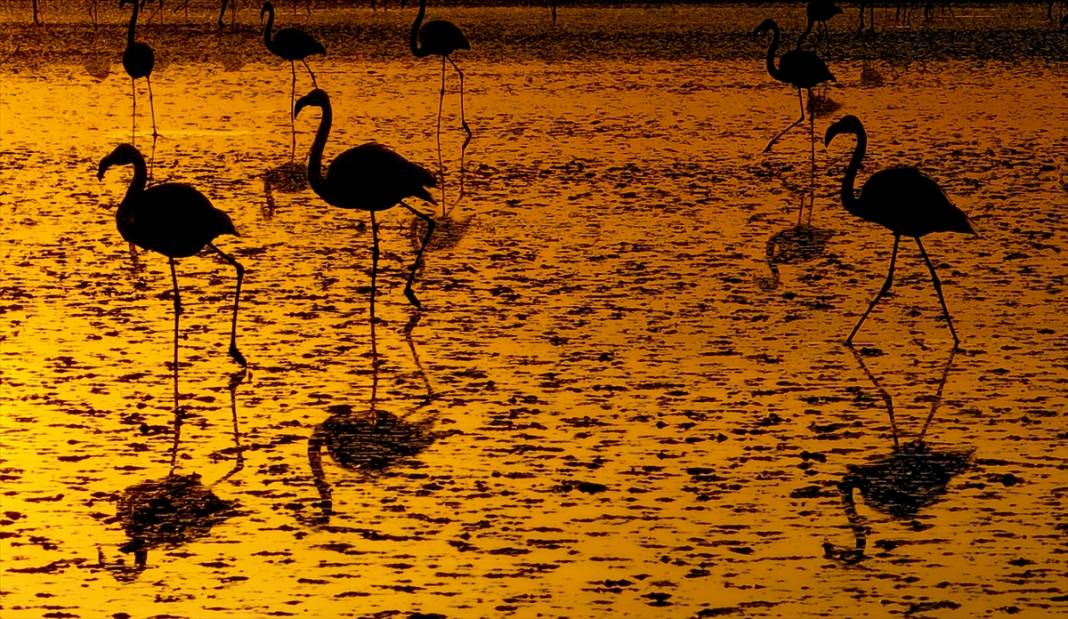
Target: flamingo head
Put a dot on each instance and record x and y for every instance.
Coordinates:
(846, 124)
(124, 154)
(317, 98)
(267, 8)
(767, 24)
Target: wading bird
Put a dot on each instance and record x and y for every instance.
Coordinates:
(369, 178)
(441, 38)
(800, 69)
(175, 220)
(292, 45)
(904, 201)
(138, 60)
(818, 12)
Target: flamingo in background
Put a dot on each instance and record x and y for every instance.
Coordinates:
(369, 178)
(222, 11)
(800, 69)
(175, 220)
(290, 44)
(441, 38)
(904, 201)
(818, 12)
(138, 60)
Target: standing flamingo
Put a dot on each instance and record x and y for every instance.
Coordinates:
(818, 12)
(138, 60)
(292, 45)
(233, 13)
(175, 220)
(800, 69)
(370, 178)
(441, 38)
(902, 200)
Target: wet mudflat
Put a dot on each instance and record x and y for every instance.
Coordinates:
(626, 391)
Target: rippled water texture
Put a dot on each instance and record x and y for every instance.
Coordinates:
(627, 392)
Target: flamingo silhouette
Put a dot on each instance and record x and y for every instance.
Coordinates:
(138, 60)
(441, 38)
(175, 220)
(902, 200)
(818, 12)
(292, 45)
(370, 178)
(233, 12)
(800, 69)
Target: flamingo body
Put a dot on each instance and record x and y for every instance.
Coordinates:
(803, 69)
(821, 10)
(906, 201)
(372, 177)
(440, 38)
(138, 60)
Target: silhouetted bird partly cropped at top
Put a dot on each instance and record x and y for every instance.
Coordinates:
(138, 60)
(369, 178)
(172, 219)
(818, 12)
(441, 38)
(904, 201)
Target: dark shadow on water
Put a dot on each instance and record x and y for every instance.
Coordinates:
(174, 510)
(914, 475)
(370, 440)
(794, 245)
(448, 232)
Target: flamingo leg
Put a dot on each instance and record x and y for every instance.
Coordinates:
(441, 165)
(292, 116)
(314, 83)
(882, 291)
(234, 352)
(177, 313)
(430, 225)
(133, 114)
(812, 169)
(374, 272)
(151, 106)
(938, 289)
(797, 122)
(463, 123)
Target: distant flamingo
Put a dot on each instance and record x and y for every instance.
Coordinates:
(233, 12)
(370, 178)
(902, 200)
(138, 60)
(175, 220)
(800, 69)
(292, 45)
(818, 12)
(441, 38)
(871, 13)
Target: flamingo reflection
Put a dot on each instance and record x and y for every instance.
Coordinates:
(914, 475)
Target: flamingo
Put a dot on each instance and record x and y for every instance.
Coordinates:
(819, 11)
(441, 38)
(175, 220)
(904, 201)
(370, 178)
(138, 60)
(800, 69)
(233, 13)
(292, 45)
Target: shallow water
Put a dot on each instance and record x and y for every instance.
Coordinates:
(607, 404)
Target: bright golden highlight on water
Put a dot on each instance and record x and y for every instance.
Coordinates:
(626, 391)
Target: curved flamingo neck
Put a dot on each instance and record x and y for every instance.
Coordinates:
(267, 28)
(315, 158)
(136, 188)
(849, 198)
(772, 69)
(133, 25)
(414, 41)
